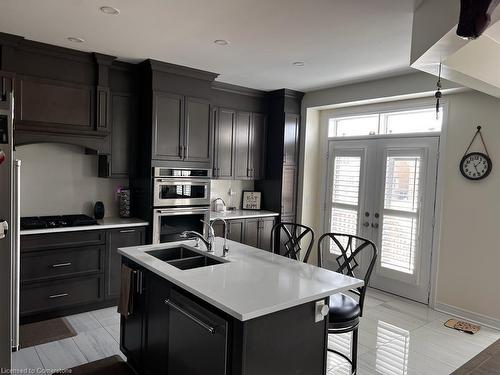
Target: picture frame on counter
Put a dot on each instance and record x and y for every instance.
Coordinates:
(251, 200)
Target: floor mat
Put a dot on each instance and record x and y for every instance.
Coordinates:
(45, 331)
(108, 366)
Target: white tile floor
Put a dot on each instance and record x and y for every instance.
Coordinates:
(396, 337)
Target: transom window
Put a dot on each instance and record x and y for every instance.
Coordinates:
(401, 122)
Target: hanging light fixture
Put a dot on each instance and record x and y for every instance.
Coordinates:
(438, 95)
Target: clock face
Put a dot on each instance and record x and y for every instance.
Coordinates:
(475, 166)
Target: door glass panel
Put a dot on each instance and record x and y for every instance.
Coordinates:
(401, 183)
(345, 197)
(171, 226)
(182, 191)
(401, 206)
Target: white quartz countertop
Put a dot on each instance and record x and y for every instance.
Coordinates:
(106, 223)
(241, 214)
(252, 283)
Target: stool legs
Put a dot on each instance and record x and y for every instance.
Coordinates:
(353, 361)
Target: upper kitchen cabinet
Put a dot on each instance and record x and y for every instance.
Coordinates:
(123, 122)
(182, 128)
(176, 100)
(61, 95)
(240, 139)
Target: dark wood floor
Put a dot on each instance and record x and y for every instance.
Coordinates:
(485, 363)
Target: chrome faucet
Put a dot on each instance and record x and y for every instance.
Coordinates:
(207, 241)
(225, 248)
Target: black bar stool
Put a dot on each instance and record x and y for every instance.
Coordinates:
(344, 253)
(290, 236)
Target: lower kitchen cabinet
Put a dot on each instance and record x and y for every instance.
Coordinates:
(115, 239)
(254, 232)
(258, 232)
(69, 272)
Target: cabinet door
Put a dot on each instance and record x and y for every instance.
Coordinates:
(288, 191)
(123, 117)
(252, 232)
(236, 230)
(224, 137)
(198, 338)
(291, 137)
(155, 349)
(168, 126)
(242, 146)
(265, 230)
(198, 130)
(131, 333)
(117, 238)
(257, 146)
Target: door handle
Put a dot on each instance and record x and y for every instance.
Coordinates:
(4, 228)
(61, 265)
(375, 225)
(127, 231)
(366, 224)
(59, 295)
(190, 316)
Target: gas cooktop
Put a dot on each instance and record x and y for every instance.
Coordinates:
(40, 222)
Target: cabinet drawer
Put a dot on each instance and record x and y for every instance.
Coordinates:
(61, 262)
(62, 293)
(62, 239)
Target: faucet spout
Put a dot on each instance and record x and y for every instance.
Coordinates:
(208, 242)
(225, 248)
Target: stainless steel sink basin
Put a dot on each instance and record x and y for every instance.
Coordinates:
(184, 258)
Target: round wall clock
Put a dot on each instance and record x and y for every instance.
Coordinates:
(475, 166)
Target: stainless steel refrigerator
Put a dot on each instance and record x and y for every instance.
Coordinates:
(9, 237)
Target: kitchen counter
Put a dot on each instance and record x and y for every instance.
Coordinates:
(106, 223)
(241, 214)
(252, 283)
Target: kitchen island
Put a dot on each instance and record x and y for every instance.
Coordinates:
(251, 313)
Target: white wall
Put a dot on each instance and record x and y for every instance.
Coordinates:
(468, 253)
(61, 179)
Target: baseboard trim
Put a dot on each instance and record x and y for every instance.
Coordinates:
(473, 317)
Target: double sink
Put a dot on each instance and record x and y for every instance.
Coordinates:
(184, 258)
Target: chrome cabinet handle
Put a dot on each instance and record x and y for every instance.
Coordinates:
(127, 231)
(375, 225)
(58, 295)
(190, 316)
(61, 265)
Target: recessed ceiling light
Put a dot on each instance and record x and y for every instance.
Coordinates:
(76, 40)
(221, 42)
(298, 63)
(109, 10)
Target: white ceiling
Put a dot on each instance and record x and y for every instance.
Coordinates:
(340, 41)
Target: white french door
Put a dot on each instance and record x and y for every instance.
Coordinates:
(384, 190)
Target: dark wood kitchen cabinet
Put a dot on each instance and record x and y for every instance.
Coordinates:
(235, 230)
(123, 120)
(258, 232)
(115, 239)
(224, 143)
(239, 145)
(289, 194)
(181, 128)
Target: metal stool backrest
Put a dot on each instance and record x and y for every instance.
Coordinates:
(289, 237)
(351, 249)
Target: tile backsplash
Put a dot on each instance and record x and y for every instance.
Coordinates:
(221, 188)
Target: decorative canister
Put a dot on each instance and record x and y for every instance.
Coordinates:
(124, 202)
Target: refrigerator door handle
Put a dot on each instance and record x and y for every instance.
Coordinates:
(16, 256)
